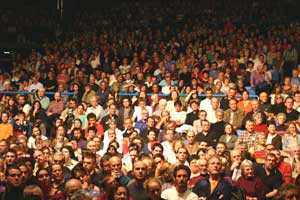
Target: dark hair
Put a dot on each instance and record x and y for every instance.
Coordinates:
(181, 167)
(91, 115)
(114, 190)
(192, 157)
(10, 167)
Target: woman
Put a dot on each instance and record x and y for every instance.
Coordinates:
(245, 104)
(80, 114)
(291, 138)
(11, 106)
(259, 125)
(229, 137)
(171, 100)
(69, 156)
(44, 181)
(37, 112)
(253, 185)
(151, 136)
(120, 192)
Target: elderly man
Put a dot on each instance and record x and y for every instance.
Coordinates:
(42, 98)
(115, 164)
(213, 186)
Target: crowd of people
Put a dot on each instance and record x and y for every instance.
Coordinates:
(168, 101)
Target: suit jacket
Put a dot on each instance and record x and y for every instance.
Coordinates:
(221, 192)
(237, 117)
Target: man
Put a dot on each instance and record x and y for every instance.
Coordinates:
(6, 128)
(40, 161)
(33, 192)
(13, 188)
(103, 93)
(284, 167)
(233, 115)
(180, 189)
(182, 155)
(42, 98)
(167, 146)
(248, 137)
(89, 164)
(22, 104)
(202, 171)
(255, 109)
(10, 157)
(212, 110)
(192, 146)
(291, 114)
(206, 134)
(234, 170)
(136, 185)
(72, 186)
(58, 158)
(264, 102)
(142, 125)
(115, 164)
(111, 115)
(214, 186)
(271, 177)
(92, 121)
(95, 108)
(224, 104)
(56, 106)
(192, 116)
(219, 125)
(35, 84)
(205, 104)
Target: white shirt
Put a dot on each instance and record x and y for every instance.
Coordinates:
(172, 194)
(205, 104)
(168, 152)
(119, 138)
(98, 111)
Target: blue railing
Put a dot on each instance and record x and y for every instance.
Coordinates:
(120, 94)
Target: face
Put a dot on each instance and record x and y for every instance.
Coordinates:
(232, 105)
(57, 172)
(228, 129)
(139, 170)
(14, 177)
(88, 164)
(115, 164)
(248, 171)
(182, 154)
(205, 126)
(190, 137)
(154, 190)
(121, 193)
(250, 126)
(214, 166)
(255, 105)
(220, 149)
(181, 178)
(289, 103)
(10, 157)
(270, 162)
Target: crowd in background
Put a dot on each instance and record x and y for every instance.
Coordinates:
(211, 109)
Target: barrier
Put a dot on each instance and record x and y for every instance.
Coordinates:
(251, 96)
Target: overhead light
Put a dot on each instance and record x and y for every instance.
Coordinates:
(6, 52)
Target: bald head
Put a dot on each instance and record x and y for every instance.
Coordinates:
(72, 186)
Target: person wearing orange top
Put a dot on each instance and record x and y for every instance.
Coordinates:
(6, 128)
(245, 104)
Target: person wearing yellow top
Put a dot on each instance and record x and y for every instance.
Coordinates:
(6, 128)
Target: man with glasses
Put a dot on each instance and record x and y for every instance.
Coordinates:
(13, 189)
(271, 177)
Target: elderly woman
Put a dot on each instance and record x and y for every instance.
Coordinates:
(253, 185)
